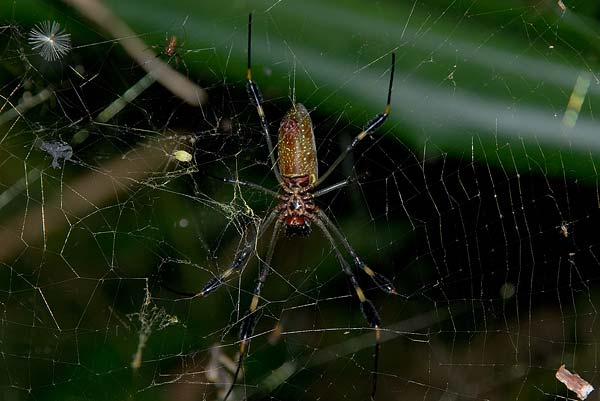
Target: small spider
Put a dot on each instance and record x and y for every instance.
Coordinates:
(564, 229)
(296, 171)
(172, 50)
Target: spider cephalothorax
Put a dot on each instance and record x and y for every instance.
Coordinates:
(297, 208)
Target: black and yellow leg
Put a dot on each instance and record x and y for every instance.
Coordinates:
(369, 128)
(379, 279)
(249, 321)
(371, 315)
(338, 185)
(246, 184)
(241, 258)
(366, 306)
(256, 100)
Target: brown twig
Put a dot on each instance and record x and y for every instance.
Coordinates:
(574, 382)
(175, 82)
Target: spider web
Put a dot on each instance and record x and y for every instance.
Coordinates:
(478, 197)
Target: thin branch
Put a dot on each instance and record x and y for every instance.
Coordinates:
(175, 82)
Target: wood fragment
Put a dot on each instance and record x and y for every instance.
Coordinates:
(574, 382)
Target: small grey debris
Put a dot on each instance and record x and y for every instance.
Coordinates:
(58, 150)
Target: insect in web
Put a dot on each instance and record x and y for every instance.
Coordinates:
(296, 171)
(172, 47)
(172, 50)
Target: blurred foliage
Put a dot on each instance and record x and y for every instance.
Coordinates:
(496, 73)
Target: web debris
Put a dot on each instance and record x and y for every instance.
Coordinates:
(58, 150)
(150, 317)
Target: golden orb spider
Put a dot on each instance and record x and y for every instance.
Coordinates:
(296, 171)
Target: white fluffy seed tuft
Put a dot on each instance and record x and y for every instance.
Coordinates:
(49, 40)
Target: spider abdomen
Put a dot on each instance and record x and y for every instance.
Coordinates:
(296, 146)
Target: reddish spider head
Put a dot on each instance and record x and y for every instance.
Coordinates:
(297, 207)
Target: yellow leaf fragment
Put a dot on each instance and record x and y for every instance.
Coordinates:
(182, 156)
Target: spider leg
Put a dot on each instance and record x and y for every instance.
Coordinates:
(256, 100)
(246, 184)
(371, 126)
(179, 59)
(379, 279)
(249, 321)
(366, 306)
(338, 185)
(241, 258)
